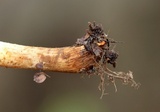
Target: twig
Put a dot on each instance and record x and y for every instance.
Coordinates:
(90, 55)
(65, 59)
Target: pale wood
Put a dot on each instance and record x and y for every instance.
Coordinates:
(65, 59)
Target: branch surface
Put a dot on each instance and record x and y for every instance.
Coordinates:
(65, 59)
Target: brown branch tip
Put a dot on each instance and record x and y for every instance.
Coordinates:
(91, 55)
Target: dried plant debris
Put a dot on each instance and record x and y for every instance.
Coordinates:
(97, 43)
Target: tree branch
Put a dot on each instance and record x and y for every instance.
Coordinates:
(91, 54)
(65, 59)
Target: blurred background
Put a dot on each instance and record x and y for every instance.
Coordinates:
(58, 23)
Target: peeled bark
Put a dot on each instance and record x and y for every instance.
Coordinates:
(65, 59)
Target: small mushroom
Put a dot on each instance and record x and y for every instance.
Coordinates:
(40, 77)
(39, 65)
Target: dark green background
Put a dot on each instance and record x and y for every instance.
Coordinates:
(57, 23)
